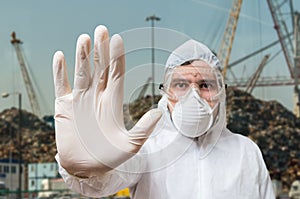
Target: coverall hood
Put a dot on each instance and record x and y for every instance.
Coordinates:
(192, 50)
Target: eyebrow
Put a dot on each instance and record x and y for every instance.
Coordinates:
(180, 80)
(207, 80)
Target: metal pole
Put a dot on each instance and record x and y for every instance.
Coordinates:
(19, 145)
(153, 58)
(10, 160)
(153, 18)
(297, 62)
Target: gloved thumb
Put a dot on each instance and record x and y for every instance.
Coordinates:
(144, 127)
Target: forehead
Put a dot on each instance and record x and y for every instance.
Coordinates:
(196, 68)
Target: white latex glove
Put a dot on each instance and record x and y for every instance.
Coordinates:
(90, 134)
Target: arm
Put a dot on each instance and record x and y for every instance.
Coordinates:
(107, 184)
(266, 190)
(90, 134)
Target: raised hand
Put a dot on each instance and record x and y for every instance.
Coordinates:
(90, 134)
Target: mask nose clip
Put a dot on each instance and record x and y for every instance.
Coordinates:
(196, 90)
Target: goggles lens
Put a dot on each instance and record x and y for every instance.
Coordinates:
(206, 80)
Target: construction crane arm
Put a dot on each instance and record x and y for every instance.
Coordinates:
(29, 88)
(252, 82)
(280, 27)
(227, 40)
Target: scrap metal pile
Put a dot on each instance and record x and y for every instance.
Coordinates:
(275, 129)
(37, 137)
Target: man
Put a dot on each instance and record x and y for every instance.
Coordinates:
(189, 154)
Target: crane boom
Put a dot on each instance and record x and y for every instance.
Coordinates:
(281, 29)
(267, 81)
(252, 82)
(144, 89)
(227, 40)
(29, 88)
(297, 63)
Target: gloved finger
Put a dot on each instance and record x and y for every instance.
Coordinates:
(144, 127)
(116, 71)
(82, 77)
(101, 57)
(60, 76)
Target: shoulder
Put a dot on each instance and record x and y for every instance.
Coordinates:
(240, 143)
(228, 136)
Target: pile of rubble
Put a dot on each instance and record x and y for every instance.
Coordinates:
(275, 129)
(136, 109)
(37, 137)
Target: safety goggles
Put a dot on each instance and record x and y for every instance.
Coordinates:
(207, 81)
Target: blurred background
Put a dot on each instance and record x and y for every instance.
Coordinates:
(257, 41)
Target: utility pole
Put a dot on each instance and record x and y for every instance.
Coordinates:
(4, 95)
(20, 144)
(153, 18)
(297, 63)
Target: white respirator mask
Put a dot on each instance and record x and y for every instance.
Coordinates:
(192, 116)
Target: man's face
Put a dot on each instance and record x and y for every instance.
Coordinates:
(198, 75)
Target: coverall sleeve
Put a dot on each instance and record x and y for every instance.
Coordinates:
(107, 184)
(266, 190)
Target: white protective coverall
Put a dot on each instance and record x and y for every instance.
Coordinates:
(217, 165)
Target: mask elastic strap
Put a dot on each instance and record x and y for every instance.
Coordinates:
(218, 96)
(163, 92)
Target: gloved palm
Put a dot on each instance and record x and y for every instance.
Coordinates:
(90, 134)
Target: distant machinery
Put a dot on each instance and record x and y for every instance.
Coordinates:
(281, 28)
(291, 50)
(262, 81)
(144, 88)
(228, 37)
(29, 88)
(297, 63)
(252, 82)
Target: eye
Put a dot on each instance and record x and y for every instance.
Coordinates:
(207, 85)
(181, 85)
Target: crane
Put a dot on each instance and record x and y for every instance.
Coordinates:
(289, 50)
(281, 29)
(144, 89)
(297, 63)
(285, 41)
(29, 88)
(227, 40)
(263, 81)
(252, 82)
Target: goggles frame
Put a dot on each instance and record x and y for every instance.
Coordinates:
(207, 81)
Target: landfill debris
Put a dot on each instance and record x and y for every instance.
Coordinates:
(275, 129)
(37, 137)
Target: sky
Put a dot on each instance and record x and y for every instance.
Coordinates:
(48, 26)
